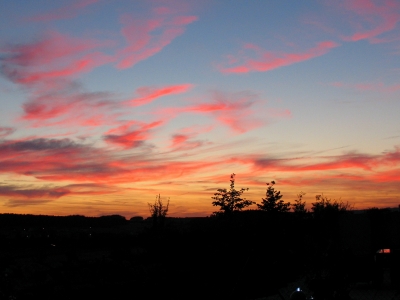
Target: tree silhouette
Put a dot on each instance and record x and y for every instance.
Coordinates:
(158, 211)
(272, 201)
(230, 200)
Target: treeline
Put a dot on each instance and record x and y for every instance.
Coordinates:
(231, 200)
(17, 220)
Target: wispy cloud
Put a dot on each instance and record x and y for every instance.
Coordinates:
(374, 18)
(146, 37)
(263, 60)
(231, 109)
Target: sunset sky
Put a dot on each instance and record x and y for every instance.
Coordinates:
(106, 104)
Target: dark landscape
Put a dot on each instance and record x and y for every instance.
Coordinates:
(243, 255)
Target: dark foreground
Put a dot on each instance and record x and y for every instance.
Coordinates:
(245, 256)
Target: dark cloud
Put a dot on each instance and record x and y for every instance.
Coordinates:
(40, 144)
(31, 193)
(24, 202)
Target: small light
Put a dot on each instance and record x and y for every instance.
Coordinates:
(298, 289)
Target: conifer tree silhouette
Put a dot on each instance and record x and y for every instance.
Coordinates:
(272, 201)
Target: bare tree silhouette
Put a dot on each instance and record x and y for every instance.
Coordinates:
(158, 211)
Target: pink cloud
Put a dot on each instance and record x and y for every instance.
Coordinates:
(65, 12)
(376, 18)
(266, 61)
(132, 134)
(48, 68)
(149, 94)
(145, 38)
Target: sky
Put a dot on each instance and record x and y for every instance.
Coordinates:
(106, 104)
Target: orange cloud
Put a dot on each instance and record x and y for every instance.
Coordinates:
(266, 61)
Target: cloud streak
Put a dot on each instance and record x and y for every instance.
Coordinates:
(348, 161)
(264, 61)
(149, 94)
(66, 160)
